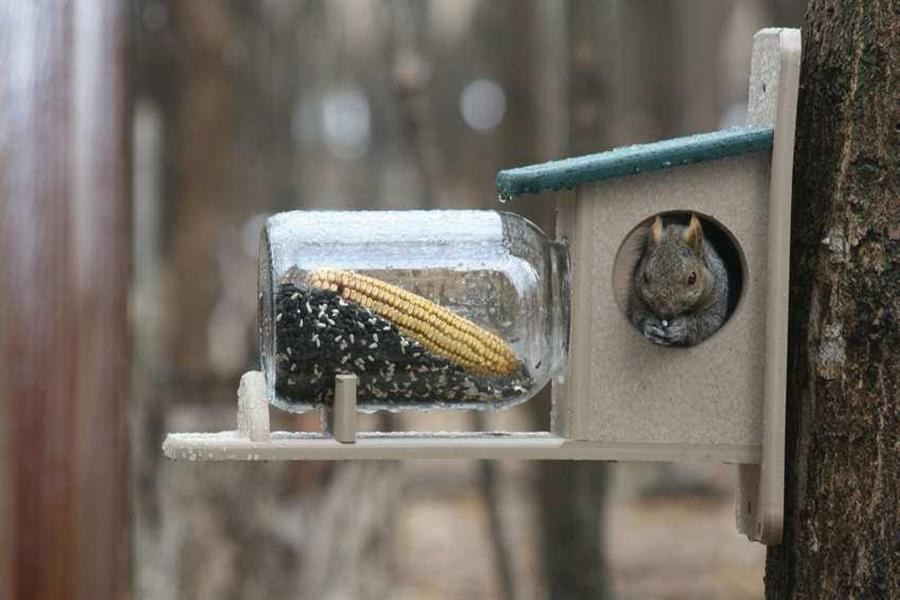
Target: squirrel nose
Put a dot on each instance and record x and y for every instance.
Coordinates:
(666, 311)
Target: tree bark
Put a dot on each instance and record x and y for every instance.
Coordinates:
(841, 487)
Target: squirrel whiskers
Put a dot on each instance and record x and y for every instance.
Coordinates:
(679, 288)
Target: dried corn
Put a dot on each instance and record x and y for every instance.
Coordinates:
(436, 328)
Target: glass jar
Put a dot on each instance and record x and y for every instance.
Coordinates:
(451, 309)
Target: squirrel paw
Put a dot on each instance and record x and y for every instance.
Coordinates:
(665, 333)
(678, 331)
(656, 333)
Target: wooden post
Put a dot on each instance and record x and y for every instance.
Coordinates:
(63, 284)
(253, 408)
(343, 424)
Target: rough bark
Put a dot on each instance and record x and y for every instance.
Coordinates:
(842, 490)
(64, 258)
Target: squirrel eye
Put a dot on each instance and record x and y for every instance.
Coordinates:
(692, 278)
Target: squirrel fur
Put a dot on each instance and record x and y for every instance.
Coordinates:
(679, 288)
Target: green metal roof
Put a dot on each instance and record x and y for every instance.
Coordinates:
(630, 160)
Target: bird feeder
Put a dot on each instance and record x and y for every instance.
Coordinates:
(616, 397)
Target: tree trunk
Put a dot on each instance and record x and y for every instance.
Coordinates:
(841, 486)
(572, 494)
(63, 287)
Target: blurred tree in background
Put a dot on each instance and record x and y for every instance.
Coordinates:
(64, 281)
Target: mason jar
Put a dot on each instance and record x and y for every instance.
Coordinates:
(441, 309)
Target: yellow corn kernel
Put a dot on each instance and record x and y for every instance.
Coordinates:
(439, 330)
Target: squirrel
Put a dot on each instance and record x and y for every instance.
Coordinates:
(679, 288)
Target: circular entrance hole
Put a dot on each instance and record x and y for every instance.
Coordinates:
(665, 305)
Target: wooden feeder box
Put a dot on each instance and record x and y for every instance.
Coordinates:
(620, 397)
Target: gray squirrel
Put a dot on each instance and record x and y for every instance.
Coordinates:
(679, 288)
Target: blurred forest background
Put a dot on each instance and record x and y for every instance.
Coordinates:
(243, 109)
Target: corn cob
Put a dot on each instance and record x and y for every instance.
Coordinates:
(436, 328)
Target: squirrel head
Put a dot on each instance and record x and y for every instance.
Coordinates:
(672, 277)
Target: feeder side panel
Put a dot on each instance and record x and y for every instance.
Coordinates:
(623, 389)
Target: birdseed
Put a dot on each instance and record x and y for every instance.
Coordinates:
(394, 370)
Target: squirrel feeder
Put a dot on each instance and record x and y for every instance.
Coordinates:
(618, 397)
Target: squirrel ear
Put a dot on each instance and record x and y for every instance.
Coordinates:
(693, 235)
(656, 230)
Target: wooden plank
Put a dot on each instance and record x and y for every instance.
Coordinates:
(774, 86)
(228, 445)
